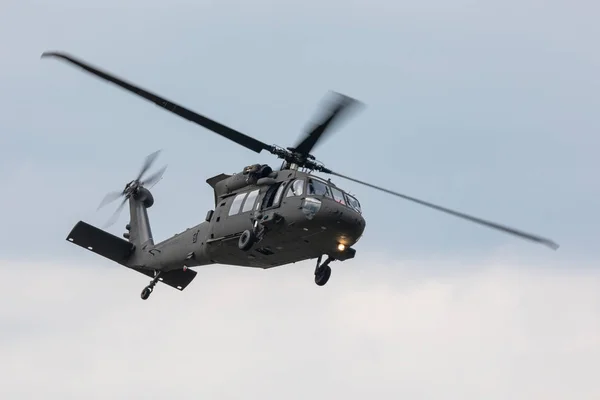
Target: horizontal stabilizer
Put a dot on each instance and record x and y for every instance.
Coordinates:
(178, 278)
(119, 250)
(101, 242)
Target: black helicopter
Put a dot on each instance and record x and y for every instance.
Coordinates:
(262, 218)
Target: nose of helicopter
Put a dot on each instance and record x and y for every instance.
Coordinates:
(339, 222)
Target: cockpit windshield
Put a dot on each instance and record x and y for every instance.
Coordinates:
(316, 187)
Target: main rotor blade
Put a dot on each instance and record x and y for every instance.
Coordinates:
(340, 106)
(229, 133)
(512, 231)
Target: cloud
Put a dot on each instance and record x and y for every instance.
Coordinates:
(387, 330)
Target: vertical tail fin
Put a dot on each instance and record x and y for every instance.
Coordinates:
(140, 233)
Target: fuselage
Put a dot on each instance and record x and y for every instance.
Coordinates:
(304, 216)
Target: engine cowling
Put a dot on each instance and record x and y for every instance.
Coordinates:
(249, 176)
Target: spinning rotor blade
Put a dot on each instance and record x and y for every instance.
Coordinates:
(155, 177)
(109, 198)
(231, 134)
(115, 215)
(489, 224)
(340, 106)
(147, 164)
(152, 179)
(112, 196)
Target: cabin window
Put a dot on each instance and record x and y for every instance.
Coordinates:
(352, 202)
(318, 188)
(236, 204)
(338, 195)
(250, 200)
(296, 189)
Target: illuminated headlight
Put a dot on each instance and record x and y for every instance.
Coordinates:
(310, 207)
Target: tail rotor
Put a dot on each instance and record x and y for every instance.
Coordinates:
(133, 187)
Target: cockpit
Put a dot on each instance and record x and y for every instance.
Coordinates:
(320, 188)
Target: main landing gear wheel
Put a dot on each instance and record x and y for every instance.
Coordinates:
(323, 271)
(246, 240)
(322, 275)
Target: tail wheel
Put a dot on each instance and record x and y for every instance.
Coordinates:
(146, 292)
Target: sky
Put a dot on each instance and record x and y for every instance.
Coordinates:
(489, 108)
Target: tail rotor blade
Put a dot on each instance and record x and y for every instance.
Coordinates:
(116, 214)
(155, 177)
(109, 198)
(131, 187)
(148, 163)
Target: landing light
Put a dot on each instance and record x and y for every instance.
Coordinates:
(341, 247)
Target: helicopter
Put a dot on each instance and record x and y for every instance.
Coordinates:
(262, 218)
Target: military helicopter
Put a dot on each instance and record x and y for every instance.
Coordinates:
(262, 218)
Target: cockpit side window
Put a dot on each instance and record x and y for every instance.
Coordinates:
(352, 202)
(296, 189)
(338, 195)
(318, 188)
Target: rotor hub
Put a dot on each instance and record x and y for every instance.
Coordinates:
(293, 157)
(131, 188)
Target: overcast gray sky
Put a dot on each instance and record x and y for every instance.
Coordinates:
(487, 108)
